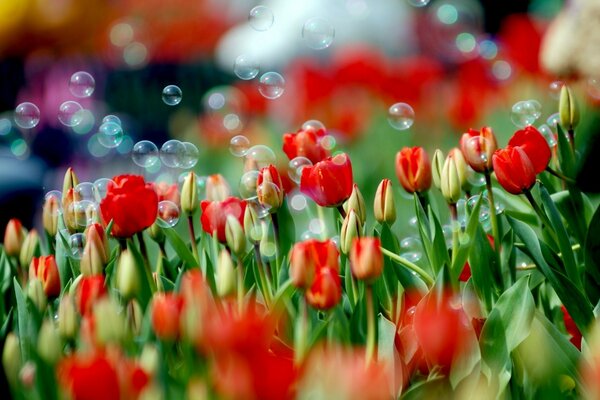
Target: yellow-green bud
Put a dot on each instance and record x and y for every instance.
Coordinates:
(67, 317)
(437, 164)
(35, 291)
(156, 233)
(134, 317)
(462, 168)
(128, 281)
(567, 109)
(14, 236)
(74, 216)
(351, 229)
(30, 248)
(69, 182)
(234, 233)
(149, 359)
(111, 326)
(226, 281)
(356, 202)
(197, 389)
(50, 216)
(95, 252)
(151, 392)
(49, 345)
(252, 225)
(383, 206)
(189, 194)
(11, 358)
(450, 181)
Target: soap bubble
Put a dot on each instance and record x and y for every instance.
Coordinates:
(555, 88)
(261, 18)
(246, 67)
(248, 185)
(411, 249)
(401, 116)
(82, 84)
(85, 190)
(76, 245)
(548, 134)
(112, 118)
(239, 145)
(110, 135)
(418, 3)
(172, 153)
(171, 95)
(261, 156)
(296, 166)
(168, 214)
(313, 124)
(271, 85)
(70, 113)
(553, 120)
(525, 112)
(318, 33)
(27, 115)
(190, 156)
(101, 187)
(145, 153)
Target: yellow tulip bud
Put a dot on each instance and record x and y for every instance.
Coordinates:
(437, 165)
(226, 278)
(30, 248)
(567, 109)
(189, 194)
(356, 202)
(383, 206)
(67, 317)
(49, 345)
(128, 281)
(50, 215)
(11, 358)
(234, 233)
(351, 229)
(450, 181)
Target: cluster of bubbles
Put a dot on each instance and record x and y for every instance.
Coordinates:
(401, 116)
(173, 154)
(525, 112)
(172, 95)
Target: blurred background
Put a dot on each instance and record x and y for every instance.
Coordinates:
(83, 82)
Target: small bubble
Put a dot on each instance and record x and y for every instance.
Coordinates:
(70, 113)
(547, 133)
(171, 153)
(82, 84)
(76, 245)
(554, 88)
(84, 212)
(298, 202)
(110, 135)
(261, 156)
(418, 3)
(526, 112)
(271, 85)
(313, 124)
(85, 190)
(401, 116)
(328, 142)
(56, 194)
(246, 67)
(553, 120)
(411, 249)
(247, 186)
(101, 187)
(593, 88)
(484, 211)
(476, 179)
(261, 18)
(171, 95)
(501, 70)
(27, 115)
(145, 154)
(318, 33)
(190, 156)
(168, 214)
(296, 166)
(112, 118)
(239, 145)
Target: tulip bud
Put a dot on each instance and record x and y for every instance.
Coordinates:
(450, 181)
(27, 374)
(11, 358)
(356, 202)
(35, 291)
(49, 345)
(134, 317)
(149, 359)
(109, 323)
(73, 215)
(30, 248)
(128, 281)
(14, 236)
(252, 225)
(95, 252)
(67, 317)
(217, 188)
(366, 258)
(437, 165)
(326, 290)
(225, 274)
(462, 168)
(413, 169)
(166, 312)
(189, 194)
(269, 188)
(46, 270)
(234, 233)
(478, 147)
(384, 207)
(351, 229)
(197, 389)
(50, 216)
(69, 182)
(156, 233)
(152, 392)
(88, 290)
(567, 109)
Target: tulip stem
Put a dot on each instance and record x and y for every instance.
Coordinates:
(541, 214)
(193, 239)
(455, 228)
(321, 213)
(275, 220)
(240, 286)
(371, 351)
(494, 219)
(301, 332)
(559, 175)
(413, 267)
(264, 282)
(571, 135)
(144, 251)
(423, 200)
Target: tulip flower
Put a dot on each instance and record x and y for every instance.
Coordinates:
(95, 252)
(366, 258)
(572, 329)
(437, 165)
(70, 181)
(351, 229)
(269, 188)
(478, 148)
(383, 206)
(326, 290)
(166, 191)
(450, 180)
(308, 257)
(531, 141)
(89, 290)
(46, 270)
(131, 204)
(356, 202)
(50, 216)
(329, 182)
(214, 215)
(462, 168)
(217, 188)
(413, 169)
(36, 293)
(234, 234)
(30, 248)
(67, 317)
(567, 109)
(305, 143)
(14, 236)
(166, 310)
(89, 377)
(514, 170)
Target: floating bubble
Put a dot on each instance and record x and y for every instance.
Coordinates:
(54, 193)
(239, 145)
(225, 110)
(84, 212)
(82, 84)
(85, 190)
(70, 113)
(261, 18)
(484, 211)
(125, 146)
(476, 150)
(145, 154)
(476, 179)
(168, 214)
(315, 226)
(248, 185)
(554, 88)
(526, 112)
(27, 115)
(413, 222)
(401, 116)
(298, 202)
(110, 135)
(548, 134)
(76, 245)
(296, 166)
(171, 153)
(246, 67)
(261, 156)
(553, 120)
(101, 187)
(190, 156)
(87, 123)
(418, 3)
(313, 124)
(271, 85)
(328, 142)
(411, 249)
(171, 95)
(112, 118)
(318, 33)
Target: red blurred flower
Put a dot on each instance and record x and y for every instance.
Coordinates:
(521, 38)
(478, 148)
(571, 327)
(89, 377)
(269, 187)
(45, 269)
(413, 169)
(164, 191)
(534, 145)
(514, 170)
(366, 258)
(217, 188)
(326, 290)
(166, 310)
(214, 215)
(14, 235)
(90, 289)
(131, 204)
(329, 182)
(308, 257)
(305, 143)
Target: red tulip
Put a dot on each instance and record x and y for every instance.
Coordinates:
(166, 310)
(572, 329)
(413, 169)
(90, 289)
(45, 269)
(14, 236)
(131, 204)
(329, 182)
(89, 377)
(514, 170)
(269, 187)
(308, 257)
(214, 215)
(305, 143)
(534, 145)
(478, 148)
(164, 191)
(366, 258)
(326, 290)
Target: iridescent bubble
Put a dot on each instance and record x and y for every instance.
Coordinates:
(247, 186)
(27, 115)
(476, 179)
(313, 124)
(318, 33)
(76, 245)
(112, 118)
(145, 153)
(101, 187)
(85, 190)
(261, 18)
(168, 214)
(548, 134)
(418, 3)
(82, 84)
(555, 88)
(171, 153)
(411, 249)
(484, 211)
(296, 166)
(84, 212)
(260, 210)
(401, 116)
(239, 145)
(246, 67)
(271, 85)
(70, 113)
(328, 142)
(261, 156)
(190, 156)
(553, 120)
(526, 112)
(110, 134)
(54, 193)
(171, 95)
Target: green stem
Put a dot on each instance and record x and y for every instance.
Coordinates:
(541, 214)
(371, 351)
(301, 333)
(266, 285)
(413, 267)
(275, 221)
(455, 229)
(321, 213)
(144, 251)
(423, 200)
(193, 239)
(559, 175)
(493, 216)
(571, 134)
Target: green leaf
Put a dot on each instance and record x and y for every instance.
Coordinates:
(385, 343)
(516, 307)
(566, 158)
(483, 268)
(23, 321)
(426, 237)
(466, 244)
(181, 248)
(434, 388)
(592, 247)
(497, 366)
(145, 293)
(439, 249)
